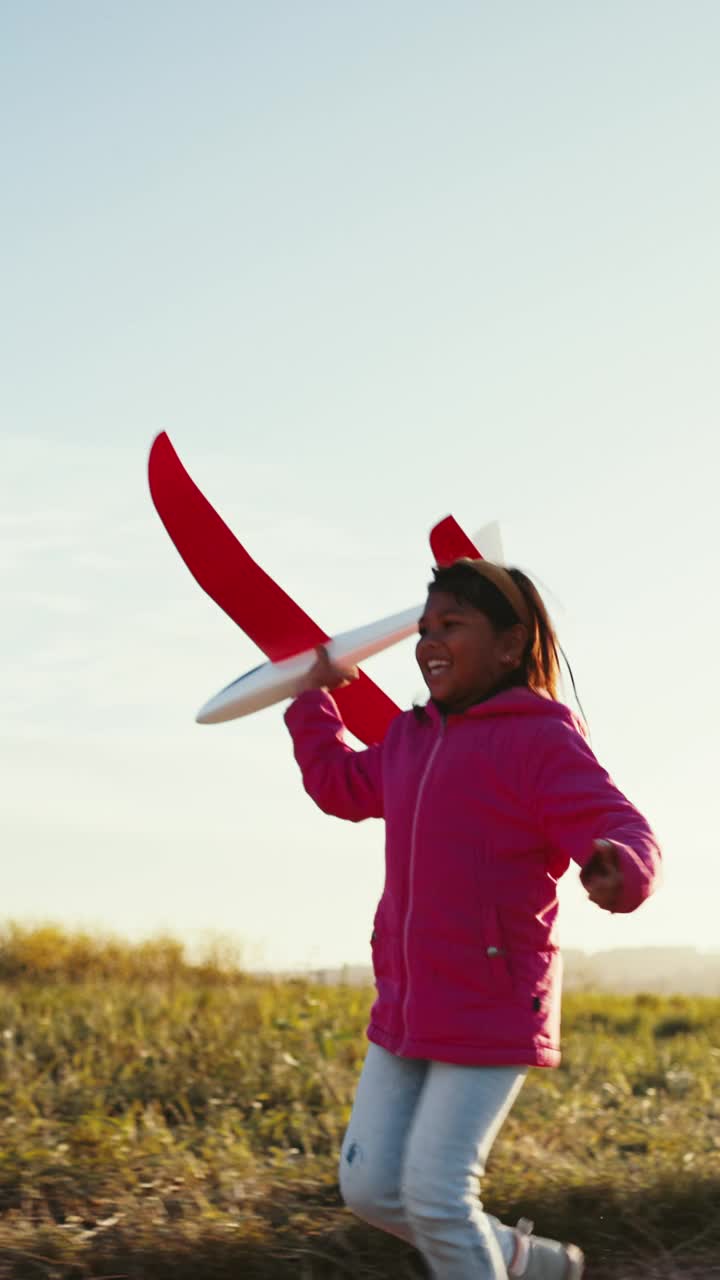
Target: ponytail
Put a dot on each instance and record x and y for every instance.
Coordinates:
(540, 667)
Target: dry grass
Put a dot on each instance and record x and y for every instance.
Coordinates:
(162, 1118)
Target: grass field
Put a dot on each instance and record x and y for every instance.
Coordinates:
(161, 1119)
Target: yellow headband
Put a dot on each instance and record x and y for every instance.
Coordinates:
(505, 584)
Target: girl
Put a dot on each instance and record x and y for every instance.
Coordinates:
(487, 793)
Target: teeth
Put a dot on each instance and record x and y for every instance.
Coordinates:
(434, 667)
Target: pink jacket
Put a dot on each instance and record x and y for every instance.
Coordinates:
(483, 812)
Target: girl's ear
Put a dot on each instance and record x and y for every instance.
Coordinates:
(513, 645)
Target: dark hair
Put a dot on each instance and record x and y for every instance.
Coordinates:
(539, 668)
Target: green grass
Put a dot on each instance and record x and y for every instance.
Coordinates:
(160, 1118)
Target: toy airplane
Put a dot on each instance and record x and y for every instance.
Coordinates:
(272, 620)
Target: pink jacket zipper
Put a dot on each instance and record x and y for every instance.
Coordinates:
(411, 870)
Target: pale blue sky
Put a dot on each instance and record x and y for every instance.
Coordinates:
(367, 264)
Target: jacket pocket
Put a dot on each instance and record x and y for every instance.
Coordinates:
(495, 959)
(468, 966)
(386, 1009)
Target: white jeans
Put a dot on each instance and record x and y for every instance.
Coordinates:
(418, 1139)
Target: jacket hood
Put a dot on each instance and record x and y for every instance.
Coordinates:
(513, 702)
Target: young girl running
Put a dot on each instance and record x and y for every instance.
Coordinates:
(487, 793)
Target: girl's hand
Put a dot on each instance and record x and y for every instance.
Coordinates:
(602, 876)
(325, 675)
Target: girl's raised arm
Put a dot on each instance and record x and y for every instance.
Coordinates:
(342, 782)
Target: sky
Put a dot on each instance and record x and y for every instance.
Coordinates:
(367, 264)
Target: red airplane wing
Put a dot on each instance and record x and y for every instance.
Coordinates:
(365, 709)
(448, 542)
(221, 564)
(223, 568)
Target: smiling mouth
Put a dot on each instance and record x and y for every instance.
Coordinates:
(436, 668)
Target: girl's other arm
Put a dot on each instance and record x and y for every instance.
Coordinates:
(588, 819)
(342, 782)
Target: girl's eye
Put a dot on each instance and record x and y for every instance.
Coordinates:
(442, 624)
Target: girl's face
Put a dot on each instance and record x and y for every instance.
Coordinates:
(460, 654)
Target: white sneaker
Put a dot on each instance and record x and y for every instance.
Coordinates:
(540, 1259)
